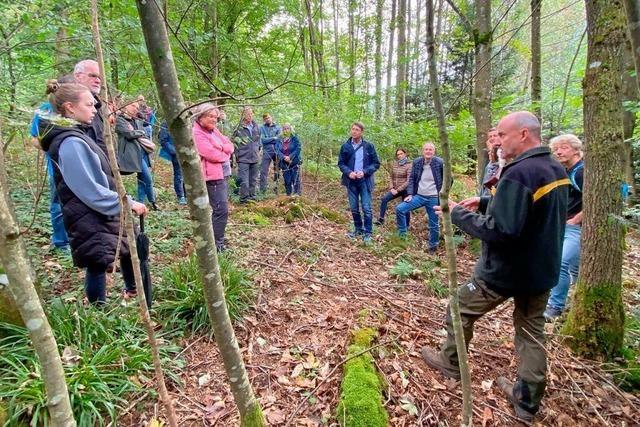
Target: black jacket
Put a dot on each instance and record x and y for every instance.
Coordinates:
(247, 143)
(129, 152)
(93, 236)
(522, 226)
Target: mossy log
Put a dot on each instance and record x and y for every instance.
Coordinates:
(361, 392)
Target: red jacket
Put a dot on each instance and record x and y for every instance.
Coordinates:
(214, 149)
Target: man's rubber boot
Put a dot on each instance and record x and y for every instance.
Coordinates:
(436, 361)
(512, 394)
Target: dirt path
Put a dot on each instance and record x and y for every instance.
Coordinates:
(315, 285)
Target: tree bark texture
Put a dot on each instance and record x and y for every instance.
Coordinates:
(596, 320)
(173, 105)
(378, 58)
(401, 66)
(129, 227)
(336, 45)
(632, 8)
(536, 59)
(467, 403)
(314, 45)
(352, 47)
(14, 259)
(392, 30)
(483, 40)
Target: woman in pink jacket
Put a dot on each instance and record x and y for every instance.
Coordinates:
(214, 149)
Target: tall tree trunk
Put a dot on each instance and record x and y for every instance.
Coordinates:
(378, 59)
(392, 30)
(416, 45)
(401, 68)
(14, 259)
(173, 105)
(408, 48)
(352, 47)
(596, 319)
(214, 54)
(632, 8)
(483, 39)
(129, 227)
(536, 80)
(336, 44)
(629, 93)
(316, 51)
(13, 82)
(61, 53)
(467, 403)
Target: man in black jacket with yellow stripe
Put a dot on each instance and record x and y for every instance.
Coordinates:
(522, 229)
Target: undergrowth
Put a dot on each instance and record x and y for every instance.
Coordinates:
(106, 359)
(182, 297)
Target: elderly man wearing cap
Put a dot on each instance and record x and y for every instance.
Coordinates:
(214, 149)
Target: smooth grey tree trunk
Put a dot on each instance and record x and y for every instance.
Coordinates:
(173, 105)
(452, 273)
(14, 259)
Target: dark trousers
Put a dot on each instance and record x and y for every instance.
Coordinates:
(268, 157)
(386, 198)
(248, 175)
(291, 178)
(178, 183)
(95, 281)
(476, 299)
(218, 196)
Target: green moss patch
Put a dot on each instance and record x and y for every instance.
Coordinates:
(291, 209)
(361, 392)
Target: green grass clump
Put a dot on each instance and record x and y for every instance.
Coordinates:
(182, 300)
(106, 358)
(361, 392)
(248, 217)
(628, 375)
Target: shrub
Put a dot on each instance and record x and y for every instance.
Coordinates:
(182, 300)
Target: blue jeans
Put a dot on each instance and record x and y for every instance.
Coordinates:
(178, 183)
(386, 198)
(291, 180)
(417, 202)
(145, 182)
(568, 267)
(59, 237)
(359, 193)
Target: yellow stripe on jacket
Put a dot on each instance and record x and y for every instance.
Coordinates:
(546, 189)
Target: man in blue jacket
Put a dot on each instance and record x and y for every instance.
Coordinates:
(424, 186)
(358, 162)
(269, 136)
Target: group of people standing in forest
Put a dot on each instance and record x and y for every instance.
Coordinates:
(529, 207)
(85, 207)
(527, 214)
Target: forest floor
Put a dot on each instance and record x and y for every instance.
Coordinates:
(314, 286)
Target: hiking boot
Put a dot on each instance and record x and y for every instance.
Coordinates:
(435, 360)
(367, 239)
(551, 313)
(182, 200)
(433, 251)
(379, 222)
(506, 387)
(154, 206)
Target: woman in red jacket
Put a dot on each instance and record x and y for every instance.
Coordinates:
(214, 149)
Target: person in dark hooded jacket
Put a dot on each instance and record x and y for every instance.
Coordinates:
(86, 187)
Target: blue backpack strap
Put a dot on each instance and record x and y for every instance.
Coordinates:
(572, 176)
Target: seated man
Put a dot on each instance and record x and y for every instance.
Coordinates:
(424, 186)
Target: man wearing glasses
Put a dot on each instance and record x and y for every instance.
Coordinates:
(87, 73)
